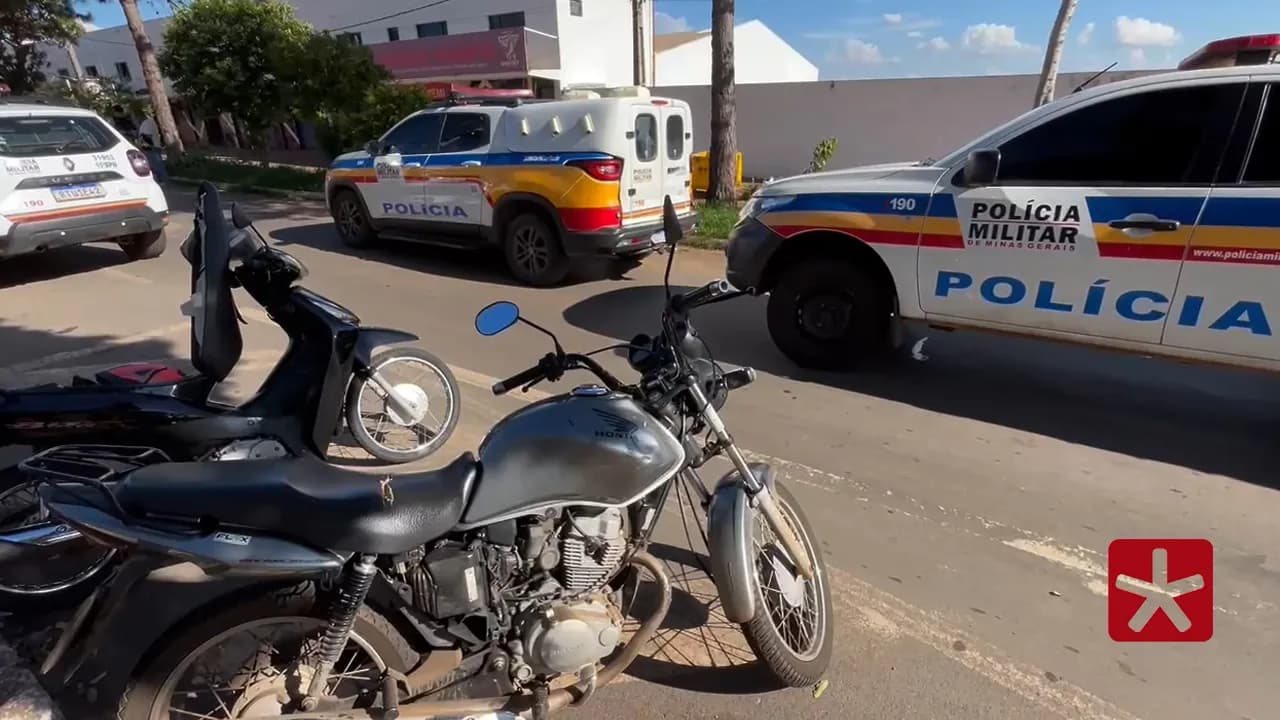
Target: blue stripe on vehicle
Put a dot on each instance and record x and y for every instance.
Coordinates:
(870, 203)
(489, 159)
(1256, 212)
(1104, 209)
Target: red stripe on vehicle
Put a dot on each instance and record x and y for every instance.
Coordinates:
(880, 237)
(72, 212)
(1140, 251)
(591, 219)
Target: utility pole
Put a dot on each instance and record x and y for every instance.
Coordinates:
(74, 57)
(1053, 53)
(638, 53)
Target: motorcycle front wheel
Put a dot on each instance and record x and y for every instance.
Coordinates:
(252, 659)
(45, 579)
(422, 380)
(792, 632)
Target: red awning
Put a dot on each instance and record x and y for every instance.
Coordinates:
(494, 52)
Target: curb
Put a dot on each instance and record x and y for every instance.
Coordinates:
(255, 189)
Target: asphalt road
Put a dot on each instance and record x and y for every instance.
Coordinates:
(966, 502)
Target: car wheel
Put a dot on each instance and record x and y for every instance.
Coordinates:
(144, 246)
(828, 315)
(354, 226)
(533, 251)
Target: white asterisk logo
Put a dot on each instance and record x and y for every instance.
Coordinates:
(1159, 593)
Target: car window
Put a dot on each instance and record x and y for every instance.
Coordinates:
(37, 135)
(1264, 160)
(1164, 137)
(675, 137)
(646, 137)
(419, 135)
(463, 132)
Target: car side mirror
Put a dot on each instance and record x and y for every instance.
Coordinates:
(671, 223)
(981, 168)
(373, 147)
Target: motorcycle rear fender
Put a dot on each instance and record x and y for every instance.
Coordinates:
(729, 524)
(372, 338)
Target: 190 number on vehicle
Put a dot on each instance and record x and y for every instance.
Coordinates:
(902, 204)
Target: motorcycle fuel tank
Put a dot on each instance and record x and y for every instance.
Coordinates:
(590, 447)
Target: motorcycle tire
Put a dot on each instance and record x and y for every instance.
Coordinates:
(355, 423)
(141, 699)
(15, 511)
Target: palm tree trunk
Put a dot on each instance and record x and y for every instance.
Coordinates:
(155, 83)
(724, 136)
(1053, 53)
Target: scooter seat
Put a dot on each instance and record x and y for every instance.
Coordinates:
(306, 500)
(140, 374)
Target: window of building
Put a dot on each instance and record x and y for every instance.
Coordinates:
(91, 70)
(506, 20)
(463, 132)
(418, 135)
(1117, 142)
(393, 34)
(646, 137)
(575, 8)
(433, 29)
(122, 71)
(675, 137)
(63, 72)
(352, 37)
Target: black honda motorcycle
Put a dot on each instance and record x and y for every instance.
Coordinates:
(492, 587)
(330, 364)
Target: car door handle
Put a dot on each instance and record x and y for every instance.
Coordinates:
(1156, 225)
(470, 163)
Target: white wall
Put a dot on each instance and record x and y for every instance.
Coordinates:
(873, 120)
(759, 56)
(463, 16)
(104, 48)
(597, 47)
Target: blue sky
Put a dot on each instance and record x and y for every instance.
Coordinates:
(897, 38)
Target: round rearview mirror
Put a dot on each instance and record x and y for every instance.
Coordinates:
(496, 317)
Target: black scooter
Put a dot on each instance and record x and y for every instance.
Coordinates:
(330, 363)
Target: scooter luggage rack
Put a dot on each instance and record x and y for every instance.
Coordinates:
(90, 463)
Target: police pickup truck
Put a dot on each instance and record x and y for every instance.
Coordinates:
(1141, 215)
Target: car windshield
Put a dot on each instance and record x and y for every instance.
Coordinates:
(36, 135)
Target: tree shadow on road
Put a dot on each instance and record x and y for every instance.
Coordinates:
(59, 263)
(1214, 420)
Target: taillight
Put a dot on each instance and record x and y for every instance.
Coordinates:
(606, 170)
(139, 163)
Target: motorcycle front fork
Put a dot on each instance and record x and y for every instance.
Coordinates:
(761, 498)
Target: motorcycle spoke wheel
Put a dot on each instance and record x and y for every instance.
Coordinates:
(263, 668)
(432, 394)
(56, 570)
(794, 604)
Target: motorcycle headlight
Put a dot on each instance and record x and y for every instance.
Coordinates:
(758, 205)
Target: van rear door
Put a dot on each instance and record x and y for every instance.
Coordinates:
(642, 186)
(677, 139)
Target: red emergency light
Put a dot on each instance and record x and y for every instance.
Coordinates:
(1243, 50)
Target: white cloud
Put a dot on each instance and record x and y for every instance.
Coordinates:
(1138, 57)
(1087, 33)
(893, 18)
(862, 52)
(937, 44)
(915, 34)
(1141, 32)
(992, 39)
(664, 23)
(88, 26)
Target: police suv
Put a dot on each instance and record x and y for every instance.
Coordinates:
(1141, 215)
(548, 182)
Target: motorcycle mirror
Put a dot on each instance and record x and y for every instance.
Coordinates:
(239, 218)
(671, 223)
(497, 317)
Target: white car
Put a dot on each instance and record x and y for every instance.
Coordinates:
(1141, 215)
(68, 178)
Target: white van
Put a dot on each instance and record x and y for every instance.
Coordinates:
(546, 181)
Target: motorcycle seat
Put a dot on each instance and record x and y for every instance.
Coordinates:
(306, 500)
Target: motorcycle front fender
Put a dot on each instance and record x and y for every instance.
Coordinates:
(729, 526)
(372, 338)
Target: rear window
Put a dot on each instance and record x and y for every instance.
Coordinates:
(36, 136)
(646, 137)
(675, 137)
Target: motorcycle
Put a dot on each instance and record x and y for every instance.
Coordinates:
(491, 586)
(330, 370)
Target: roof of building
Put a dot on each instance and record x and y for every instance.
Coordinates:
(667, 41)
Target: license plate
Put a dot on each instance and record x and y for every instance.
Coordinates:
(78, 192)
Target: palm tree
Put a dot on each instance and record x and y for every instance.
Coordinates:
(151, 75)
(1053, 53)
(724, 135)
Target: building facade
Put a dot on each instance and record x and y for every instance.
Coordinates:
(759, 56)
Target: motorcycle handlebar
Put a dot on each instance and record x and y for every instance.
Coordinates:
(502, 387)
(552, 367)
(710, 292)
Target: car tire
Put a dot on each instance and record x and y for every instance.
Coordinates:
(828, 315)
(145, 246)
(352, 221)
(534, 253)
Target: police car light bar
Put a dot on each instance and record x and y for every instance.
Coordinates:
(1243, 50)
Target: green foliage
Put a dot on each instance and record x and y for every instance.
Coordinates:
(822, 153)
(329, 76)
(100, 95)
(239, 175)
(230, 56)
(24, 21)
(379, 107)
(715, 220)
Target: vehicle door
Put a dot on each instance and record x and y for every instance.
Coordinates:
(1228, 299)
(676, 177)
(642, 186)
(396, 197)
(1084, 228)
(455, 188)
